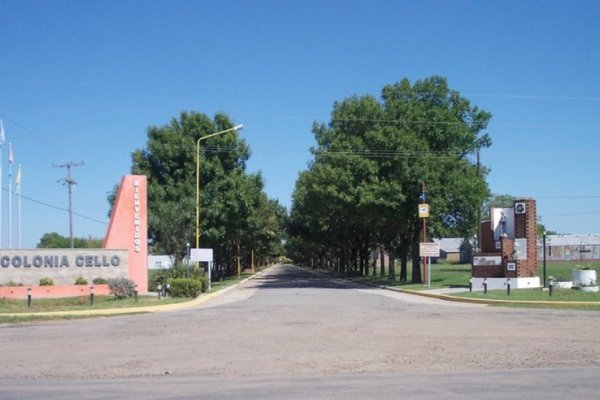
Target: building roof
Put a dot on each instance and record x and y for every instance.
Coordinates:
(450, 245)
(573, 240)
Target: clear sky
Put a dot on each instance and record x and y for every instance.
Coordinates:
(83, 80)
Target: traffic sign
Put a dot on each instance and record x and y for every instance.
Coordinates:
(423, 210)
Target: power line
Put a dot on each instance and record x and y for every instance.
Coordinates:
(31, 199)
(572, 215)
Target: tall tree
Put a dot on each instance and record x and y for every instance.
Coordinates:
(378, 154)
(232, 202)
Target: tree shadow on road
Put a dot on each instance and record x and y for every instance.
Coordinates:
(292, 277)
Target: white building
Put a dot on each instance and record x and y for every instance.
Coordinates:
(160, 262)
(455, 250)
(583, 247)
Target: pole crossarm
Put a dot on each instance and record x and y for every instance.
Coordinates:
(235, 128)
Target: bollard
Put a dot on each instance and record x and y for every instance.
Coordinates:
(92, 290)
(159, 289)
(485, 286)
(28, 297)
(135, 294)
(550, 287)
(470, 285)
(508, 287)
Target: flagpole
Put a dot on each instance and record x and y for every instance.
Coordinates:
(10, 161)
(1, 188)
(19, 205)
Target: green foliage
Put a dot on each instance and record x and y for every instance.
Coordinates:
(121, 287)
(186, 287)
(362, 189)
(46, 282)
(179, 271)
(100, 281)
(53, 240)
(234, 210)
(81, 281)
(157, 277)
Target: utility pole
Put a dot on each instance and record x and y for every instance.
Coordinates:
(68, 181)
(478, 245)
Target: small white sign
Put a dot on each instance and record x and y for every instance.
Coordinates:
(429, 249)
(201, 255)
(487, 260)
(511, 266)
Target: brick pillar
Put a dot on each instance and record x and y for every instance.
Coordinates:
(526, 228)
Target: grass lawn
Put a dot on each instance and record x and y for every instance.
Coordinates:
(446, 275)
(535, 295)
(81, 303)
(232, 280)
(12, 306)
(443, 275)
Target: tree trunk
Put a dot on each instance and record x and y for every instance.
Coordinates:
(403, 260)
(381, 261)
(416, 262)
(392, 271)
(374, 266)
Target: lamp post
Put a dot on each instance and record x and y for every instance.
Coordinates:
(544, 257)
(235, 128)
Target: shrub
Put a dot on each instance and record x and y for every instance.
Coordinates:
(81, 281)
(186, 287)
(179, 271)
(157, 277)
(121, 287)
(46, 282)
(100, 281)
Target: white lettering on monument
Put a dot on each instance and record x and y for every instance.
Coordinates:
(136, 217)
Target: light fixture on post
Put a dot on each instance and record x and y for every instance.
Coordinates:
(235, 128)
(544, 257)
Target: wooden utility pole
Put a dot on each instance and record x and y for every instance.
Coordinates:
(69, 182)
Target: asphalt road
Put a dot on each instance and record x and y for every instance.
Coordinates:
(293, 334)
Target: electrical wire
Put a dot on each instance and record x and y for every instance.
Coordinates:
(57, 207)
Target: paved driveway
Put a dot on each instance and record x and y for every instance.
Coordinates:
(290, 333)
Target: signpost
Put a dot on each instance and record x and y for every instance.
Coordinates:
(203, 255)
(428, 250)
(424, 214)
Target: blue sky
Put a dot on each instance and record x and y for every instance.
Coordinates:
(83, 80)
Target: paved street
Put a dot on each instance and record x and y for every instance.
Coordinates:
(290, 333)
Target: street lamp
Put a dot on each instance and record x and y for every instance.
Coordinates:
(235, 128)
(544, 257)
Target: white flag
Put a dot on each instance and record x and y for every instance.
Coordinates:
(2, 137)
(18, 176)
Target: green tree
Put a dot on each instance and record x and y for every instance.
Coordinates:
(234, 210)
(53, 240)
(369, 167)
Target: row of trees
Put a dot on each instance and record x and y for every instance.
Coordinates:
(236, 219)
(372, 160)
